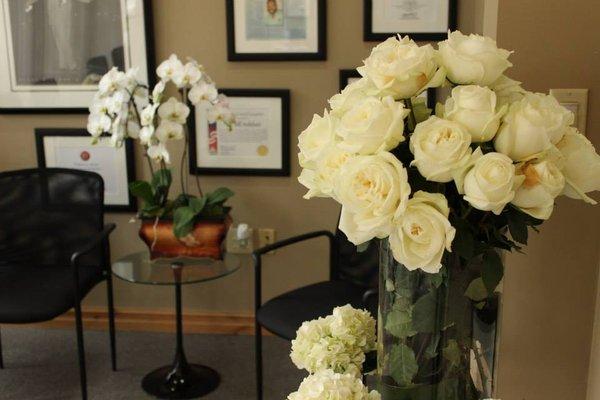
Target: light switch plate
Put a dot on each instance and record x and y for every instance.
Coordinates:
(575, 100)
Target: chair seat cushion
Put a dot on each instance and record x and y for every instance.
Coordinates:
(284, 314)
(40, 293)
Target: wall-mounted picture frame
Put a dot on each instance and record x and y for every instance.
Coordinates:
(55, 52)
(73, 149)
(258, 144)
(276, 30)
(348, 76)
(425, 20)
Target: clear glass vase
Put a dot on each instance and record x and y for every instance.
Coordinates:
(435, 343)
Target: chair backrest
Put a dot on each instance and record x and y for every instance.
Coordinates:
(359, 267)
(46, 214)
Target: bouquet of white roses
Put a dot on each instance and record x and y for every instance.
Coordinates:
(493, 156)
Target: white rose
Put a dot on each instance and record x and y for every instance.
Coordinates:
(581, 165)
(490, 182)
(472, 59)
(475, 108)
(439, 147)
(531, 126)
(320, 181)
(203, 92)
(319, 135)
(507, 90)
(373, 125)
(402, 69)
(174, 110)
(350, 95)
(422, 233)
(169, 68)
(169, 130)
(371, 189)
(542, 184)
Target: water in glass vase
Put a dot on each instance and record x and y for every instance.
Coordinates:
(437, 332)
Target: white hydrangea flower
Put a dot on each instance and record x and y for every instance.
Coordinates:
(328, 385)
(337, 342)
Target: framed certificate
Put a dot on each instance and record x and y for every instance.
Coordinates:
(73, 148)
(348, 76)
(276, 30)
(258, 143)
(420, 19)
(54, 52)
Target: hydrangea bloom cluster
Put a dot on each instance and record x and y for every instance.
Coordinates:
(337, 342)
(329, 385)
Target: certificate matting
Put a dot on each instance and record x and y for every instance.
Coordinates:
(258, 144)
(73, 149)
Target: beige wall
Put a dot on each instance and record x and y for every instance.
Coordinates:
(551, 291)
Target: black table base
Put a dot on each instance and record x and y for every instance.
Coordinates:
(180, 380)
(192, 382)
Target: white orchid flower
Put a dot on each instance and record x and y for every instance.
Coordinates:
(170, 68)
(158, 91)
(159, 152)
(98, 124)
(169, 130)
(188, 76)
(112, 81)
(203, 92)
(174, 110)
(147, 115)
(146, 135)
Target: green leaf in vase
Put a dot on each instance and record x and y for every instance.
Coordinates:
(403, 364)
(492, 270)
(452, 353)
(219, 196)
(399, 322)
(431, 349)
(183, 221)
(476, 290)
(424, 313)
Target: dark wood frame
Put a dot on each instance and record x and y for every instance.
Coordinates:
(284, 95)
(346, 74)
(41, 133)
(370, 36)
(321, 53)
(150, 62)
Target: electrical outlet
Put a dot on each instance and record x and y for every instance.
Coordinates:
(576, 101)
(266, 236)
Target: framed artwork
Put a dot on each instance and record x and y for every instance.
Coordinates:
(420, 19)
(348, 76)
(258, 144)
(73, 148)
(53, 52)
(276, 30)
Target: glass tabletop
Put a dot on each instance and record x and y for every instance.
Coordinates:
(138, 268)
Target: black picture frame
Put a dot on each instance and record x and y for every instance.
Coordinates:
(320, 55)
(150, 64)
(370, 36)
(41, 133)
(347, 74)
(284, 95)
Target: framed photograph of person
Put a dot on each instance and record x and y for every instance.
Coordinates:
(258, 144)
(276, 30)
(347, 76)
(54, 52)
(421, 19)
(73, 149)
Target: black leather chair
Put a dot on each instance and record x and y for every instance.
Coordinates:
(353, 280)
(53, 248)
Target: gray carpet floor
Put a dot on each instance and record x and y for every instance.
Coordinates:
(42, 364)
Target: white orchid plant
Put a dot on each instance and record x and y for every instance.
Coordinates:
(125, 108)
(469, 179)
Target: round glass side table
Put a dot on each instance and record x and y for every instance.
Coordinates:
(181, 380)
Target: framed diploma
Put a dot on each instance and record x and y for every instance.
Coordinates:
(348, 76)
(276, 30)
(421, 19)
(54, 52)
(258, 143)
(73, 148)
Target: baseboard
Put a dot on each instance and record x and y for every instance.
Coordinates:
(130, 319)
